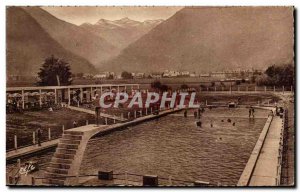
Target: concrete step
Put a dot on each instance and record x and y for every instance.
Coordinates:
(63, 156)
(69, 136)
(49, 175)
(66, 151)
(73, 132)
(69, 141)
(67, 146)
(53, 181)
(62, 161)
(59, 165)
(56, 170)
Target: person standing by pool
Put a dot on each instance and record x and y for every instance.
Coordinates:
(185, 113)
(252, 110)
(96, 103)
(39, 136)
(75, 124)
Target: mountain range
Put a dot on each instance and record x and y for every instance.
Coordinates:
(197, 39)
(204, 39)
(28, 44)
(121, 32)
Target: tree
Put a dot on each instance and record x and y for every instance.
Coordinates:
(54, 72)
(126, 75)
(212, 84)
(281, 75)
(184, 86)
(156, 85)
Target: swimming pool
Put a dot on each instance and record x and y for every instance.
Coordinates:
(174, 146)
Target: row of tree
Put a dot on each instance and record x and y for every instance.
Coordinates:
(277, 75)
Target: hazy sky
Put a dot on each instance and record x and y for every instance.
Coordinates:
(79, 15)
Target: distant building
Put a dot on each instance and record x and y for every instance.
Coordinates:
(185, 73)
(104, 75)
(168, 73)
(156, 75)
(205, 75)
(218, 74)
(193, 75)
(139, 75)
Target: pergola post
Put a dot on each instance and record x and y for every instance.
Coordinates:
(69, 97)
(23, 100)
(81, 94)
(40, 99)
(55, 96)
(92, 95)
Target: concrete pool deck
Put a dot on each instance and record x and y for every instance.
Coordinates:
(266, 169)
(262, 166)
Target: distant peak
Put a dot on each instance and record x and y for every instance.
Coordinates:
(125, 19)
(86, 24)
(100, 21)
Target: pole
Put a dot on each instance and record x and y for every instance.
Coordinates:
(105, 120)
(69, 97)
(16, 141)
(33, 137)
(23, 100)
(40, 99)
(81, 94)
(87, 122)
(63, 128)
(55, 96)
(49, 133)
(32, 181)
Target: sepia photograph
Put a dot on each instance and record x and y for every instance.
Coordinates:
(150, 96)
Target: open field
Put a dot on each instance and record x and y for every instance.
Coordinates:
(24, 124)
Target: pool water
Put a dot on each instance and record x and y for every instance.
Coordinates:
(174, 146)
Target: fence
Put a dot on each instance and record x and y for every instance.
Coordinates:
(244, 88)
(109, 178)
(283, 175)
(18, 141)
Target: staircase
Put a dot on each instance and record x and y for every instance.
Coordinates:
(57, 171)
